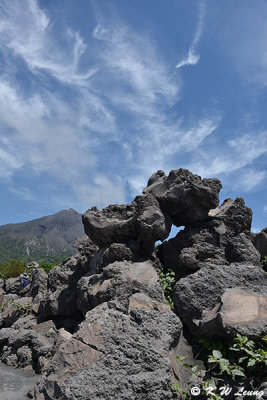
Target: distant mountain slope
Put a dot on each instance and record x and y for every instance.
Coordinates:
(42, 237)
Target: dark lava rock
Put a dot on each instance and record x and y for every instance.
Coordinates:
(184, 196)
(222, 239)
(142, 221)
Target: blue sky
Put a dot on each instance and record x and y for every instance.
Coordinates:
(97, 95)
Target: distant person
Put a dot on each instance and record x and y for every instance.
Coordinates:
(24, 280)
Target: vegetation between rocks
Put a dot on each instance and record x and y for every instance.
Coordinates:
(23, 308)
(242, 364)
(14, 268)
(167, 281)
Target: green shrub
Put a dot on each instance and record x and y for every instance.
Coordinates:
(167, 281)
(244, 360)
(12, 269)
(47, 266)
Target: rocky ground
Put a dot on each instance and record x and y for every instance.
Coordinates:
(15, 384)
(99, 327)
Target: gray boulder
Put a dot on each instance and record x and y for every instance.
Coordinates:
(12, 286)
(184, 196)
(239, 311)
(85, 246)
(117, 282)
(14, 309)
(142, 221)
(116, 355)
(39, 283)
(198, 293)
(126, 345)
(234, 214)
(220, 240)
(29, 346)
(60, 299)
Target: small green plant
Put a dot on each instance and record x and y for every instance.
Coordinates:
(182, 392)
(167, 281)
(24, 308)
(244, 360)
(6, 304)
(216, 360)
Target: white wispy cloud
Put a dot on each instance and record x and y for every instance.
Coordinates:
(131, 57)
(192, 57)
(125, 96)
(265, 208)
(40, 130)
(23, 193)
(146, 89)
(25, 29)
(248, 179)
(235, 154)
(8, 163)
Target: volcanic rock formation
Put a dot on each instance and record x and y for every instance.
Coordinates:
(99, 327)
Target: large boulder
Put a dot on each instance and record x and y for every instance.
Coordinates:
(198, 293)
(239, 311)
(234, 214)
(12, 286)
(117, 282)
(12, 310)
(184, 196)
(141, 221)
(222, 239)
(116, 355)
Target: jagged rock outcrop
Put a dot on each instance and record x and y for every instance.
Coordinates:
(122, 350)
(98, 327)
(220, 240)
(184, 196)
(60, 300)
(29, 348)
(141, 221)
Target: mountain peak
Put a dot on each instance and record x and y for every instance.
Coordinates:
(44, 236)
